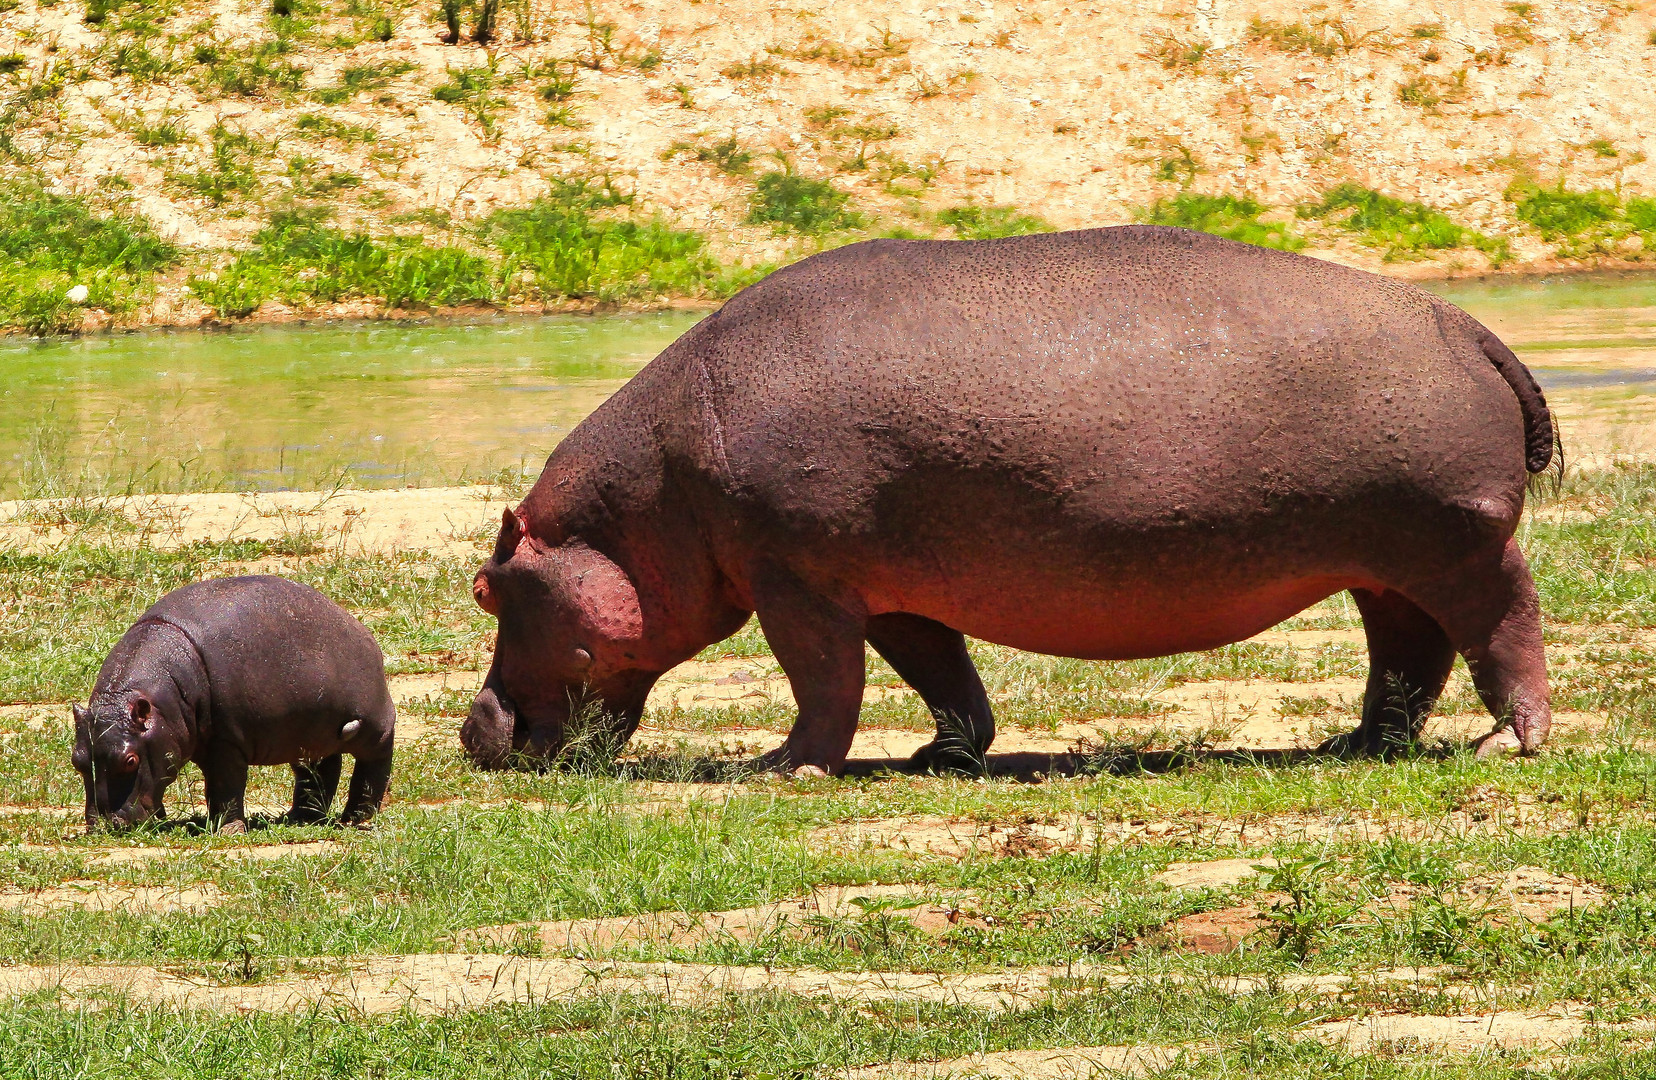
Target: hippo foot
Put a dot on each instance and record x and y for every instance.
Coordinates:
(1362, 743)
(782, 762)
(1501, 743)
(949, 756)
(236, 827)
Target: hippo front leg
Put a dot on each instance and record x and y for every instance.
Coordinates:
(819, 644)
(225, 774)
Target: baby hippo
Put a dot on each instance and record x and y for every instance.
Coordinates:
(230, 673)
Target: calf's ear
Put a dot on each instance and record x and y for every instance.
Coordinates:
(141, 716)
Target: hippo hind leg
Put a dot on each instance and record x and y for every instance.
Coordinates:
(933, 659)
(370, 777)
(314, 785)
(1410, 657)
(1493, 616)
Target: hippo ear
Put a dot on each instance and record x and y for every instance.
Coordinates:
(512, 531)
(141, 716)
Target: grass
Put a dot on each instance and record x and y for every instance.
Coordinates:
(973, 222)
(359, 77)
(299, 258)
(572, 253)
(1579, 222)
(1372, 862)
(1402, 229)
(52, 242)
(787, 200)
(1230, 216)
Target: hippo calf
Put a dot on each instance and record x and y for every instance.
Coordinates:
(230, 673)
(1111, 444)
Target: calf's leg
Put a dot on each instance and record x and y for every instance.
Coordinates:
(314, 785)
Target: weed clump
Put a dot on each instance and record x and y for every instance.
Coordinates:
(973, 222)
(300, 258)
(1403, 229)
(788, 200)
(1580, 223)
(565, 252)
(1222, 215)
(53, 243)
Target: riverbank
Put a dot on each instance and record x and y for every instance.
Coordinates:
(606, 154)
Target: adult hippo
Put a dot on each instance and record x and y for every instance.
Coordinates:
(1109, 444)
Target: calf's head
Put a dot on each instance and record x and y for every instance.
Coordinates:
(128, 748)
(570, 651)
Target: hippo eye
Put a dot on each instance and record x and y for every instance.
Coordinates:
(129, 762)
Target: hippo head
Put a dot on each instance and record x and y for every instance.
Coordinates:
(128, 748)
(569, 652)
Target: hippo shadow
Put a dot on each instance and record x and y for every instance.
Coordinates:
(1023, 766)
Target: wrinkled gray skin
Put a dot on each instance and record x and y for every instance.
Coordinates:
(231, 673)
(1109, 444)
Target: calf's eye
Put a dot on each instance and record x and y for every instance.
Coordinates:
(129, 762)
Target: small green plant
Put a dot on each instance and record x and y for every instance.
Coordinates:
(1403, 229)
(231, 170)
(250, 72)
(559, 79)
(1323, 37)
(726, 155)
(475, 91)
(757, 68)
(600, 38)
(1222, 215)
(1603, 148)
(973, 222)
(302, 259)
(13, 62)
(565, 116)
(357, 78)
(806, 205)
(1426, 91)
(1173, 52)
(1641, 214)
(318, 126)
(162, 133)
(1308, 912)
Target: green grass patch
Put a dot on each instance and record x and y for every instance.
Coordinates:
(1402, 229)
(570, 251)
(803, 204)
(1230, 216)
(973, 222)
(301, 259)
(52, 243)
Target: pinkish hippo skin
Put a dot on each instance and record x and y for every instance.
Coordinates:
(1111, 444)
(231, 673)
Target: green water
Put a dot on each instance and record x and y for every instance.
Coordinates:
(377, 404)
(368, 405)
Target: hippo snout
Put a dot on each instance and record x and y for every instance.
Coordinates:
(487, 734)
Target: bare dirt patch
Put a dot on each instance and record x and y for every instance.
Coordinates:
(443, 982)
(1214, 933)
(104, 896)
(445, 520)
(921, 907)
(1213, 874)
(1068, 1063)
(140, 856)
(1556, 1026)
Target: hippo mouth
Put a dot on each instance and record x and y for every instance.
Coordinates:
(121, 805)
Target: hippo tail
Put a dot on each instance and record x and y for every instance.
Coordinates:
(1543, 447)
